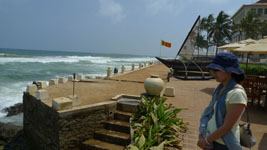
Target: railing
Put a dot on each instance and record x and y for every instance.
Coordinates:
(255, 87)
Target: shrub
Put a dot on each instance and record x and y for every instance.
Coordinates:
(156, 125)
(260, 70)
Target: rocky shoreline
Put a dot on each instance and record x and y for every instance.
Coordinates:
(11, 127)
(14, 110)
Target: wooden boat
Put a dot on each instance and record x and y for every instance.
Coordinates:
(184, 66)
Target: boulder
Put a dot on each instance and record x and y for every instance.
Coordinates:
(14, 110)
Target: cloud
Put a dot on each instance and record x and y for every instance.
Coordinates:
(159, 6)
(230, 12)
(111, 9)
(216, 1)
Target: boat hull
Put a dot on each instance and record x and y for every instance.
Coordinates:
(187, 70)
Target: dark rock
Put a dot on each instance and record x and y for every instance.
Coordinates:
(7, 132)
(18, 142)
(14, 110)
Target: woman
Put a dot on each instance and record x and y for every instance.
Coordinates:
(219, 124)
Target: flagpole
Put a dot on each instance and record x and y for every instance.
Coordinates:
(160, 48)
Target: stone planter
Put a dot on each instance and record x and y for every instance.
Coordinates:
(154, 85)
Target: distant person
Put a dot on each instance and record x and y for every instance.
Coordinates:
(38, 85)
(219, 124)
(170, 74)
(115, 70)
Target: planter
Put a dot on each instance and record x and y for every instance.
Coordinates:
(154, 85)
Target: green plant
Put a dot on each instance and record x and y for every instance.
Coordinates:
(260, 70)
(156, 125)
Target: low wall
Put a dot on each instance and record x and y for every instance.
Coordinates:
(47, 128)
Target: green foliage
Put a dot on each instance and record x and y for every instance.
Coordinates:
(156, 125)
(260, 70)
(221, 30)
(206, 24)
(250, 24)
(218, 30)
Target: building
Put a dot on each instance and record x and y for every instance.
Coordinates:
(259, 7)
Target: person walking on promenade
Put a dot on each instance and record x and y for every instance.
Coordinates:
(219, 124)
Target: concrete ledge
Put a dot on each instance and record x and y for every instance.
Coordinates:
(88, 76)
(43, 84)
(42, 94)
(70, 78)
(169, 91)
(53, 82)
(126, 96)
(61, 103)
(31, 88)
(62, 80)
(75, 100)
(79, 77)
(86, 108)
(99, 77)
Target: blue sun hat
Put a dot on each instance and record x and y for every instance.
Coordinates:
(226, 62)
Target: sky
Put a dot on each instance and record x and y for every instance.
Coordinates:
(104, 26)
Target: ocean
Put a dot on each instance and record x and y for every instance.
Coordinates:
(18, 68)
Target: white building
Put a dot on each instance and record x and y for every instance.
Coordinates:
(259, 7)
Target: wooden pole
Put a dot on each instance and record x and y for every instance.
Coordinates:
(247, 62)
(73, 84)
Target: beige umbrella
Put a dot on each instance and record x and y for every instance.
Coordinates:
(231, 46)
(235, 45)
(260, 47)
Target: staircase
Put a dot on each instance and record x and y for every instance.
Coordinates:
(116, 132)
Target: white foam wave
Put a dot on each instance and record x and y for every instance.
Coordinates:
(74, 59)
(11, 94)
(92, 59)
(38, 59)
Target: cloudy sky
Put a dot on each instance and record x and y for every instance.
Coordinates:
(104, 26)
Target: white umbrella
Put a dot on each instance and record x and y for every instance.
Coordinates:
(235, 45)
(260, 47)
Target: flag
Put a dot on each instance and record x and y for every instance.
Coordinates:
(167, 44)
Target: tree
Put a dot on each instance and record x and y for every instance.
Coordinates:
(221, 30)
(200, 42)
(263, 29)
(206, 24)
(250, 25)
(237, 28)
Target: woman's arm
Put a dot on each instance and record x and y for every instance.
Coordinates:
(232, 115)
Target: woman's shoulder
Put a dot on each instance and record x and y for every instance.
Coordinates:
(238, 88)
(237, 95)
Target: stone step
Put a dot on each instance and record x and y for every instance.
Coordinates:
(117, 125)
(122, 115)
(93, 144)
(113, 137)
(127, 106)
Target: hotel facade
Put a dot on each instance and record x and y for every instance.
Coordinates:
(259, 7)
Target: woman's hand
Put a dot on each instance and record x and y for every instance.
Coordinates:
(201, 143)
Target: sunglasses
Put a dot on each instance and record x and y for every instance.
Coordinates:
(214, 70)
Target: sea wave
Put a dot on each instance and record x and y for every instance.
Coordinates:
(74, 59)
(8, 55)
(11, 94)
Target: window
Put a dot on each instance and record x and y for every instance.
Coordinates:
(260, 11)
(253, 9)
(265, 11)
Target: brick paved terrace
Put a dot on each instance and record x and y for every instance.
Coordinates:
(195, 96)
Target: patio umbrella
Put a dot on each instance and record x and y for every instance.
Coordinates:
(232, 46)
(260, 47)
